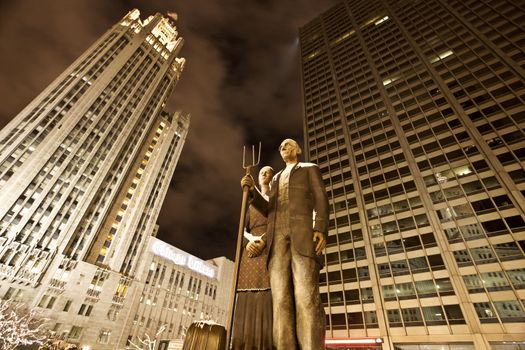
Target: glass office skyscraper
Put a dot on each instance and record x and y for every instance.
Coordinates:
(84, 169)
(415, 112)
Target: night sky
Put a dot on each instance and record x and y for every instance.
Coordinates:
(241, 85)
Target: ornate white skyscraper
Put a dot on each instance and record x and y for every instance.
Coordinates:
(84, 169)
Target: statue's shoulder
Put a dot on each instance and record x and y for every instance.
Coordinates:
(277, 174)
(307, 165)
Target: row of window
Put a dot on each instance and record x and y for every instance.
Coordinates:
(489, 254)
(405, 317)
(407, 244)
(160, 95)
(76, 244)
(500, 311)
(65, 83)
(75, 332)
(488, 228)
(425, 316)
(495, 281)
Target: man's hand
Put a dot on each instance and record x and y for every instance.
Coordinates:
(255, 248)
(248, 181)
(321, 242)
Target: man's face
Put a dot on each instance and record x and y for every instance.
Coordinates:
(265, 175)
(288, 150)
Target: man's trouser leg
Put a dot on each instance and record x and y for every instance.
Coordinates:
(282, 293)
(310, 315)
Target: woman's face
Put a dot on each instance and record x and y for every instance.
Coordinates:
(265, 175)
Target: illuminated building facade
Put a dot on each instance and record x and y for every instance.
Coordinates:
(84, 169)
(175, 289)
(415, 112)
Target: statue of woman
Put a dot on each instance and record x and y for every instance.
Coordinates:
(252, 325)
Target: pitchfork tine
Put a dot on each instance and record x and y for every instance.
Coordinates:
(244, 157)
(259, 157)
(254, 161)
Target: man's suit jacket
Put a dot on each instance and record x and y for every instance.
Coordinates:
(307, 194)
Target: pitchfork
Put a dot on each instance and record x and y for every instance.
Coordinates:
(247, 166)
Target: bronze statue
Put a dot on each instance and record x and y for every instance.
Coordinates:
(252, 324)
(297, 211)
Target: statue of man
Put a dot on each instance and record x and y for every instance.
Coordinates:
(297, 210)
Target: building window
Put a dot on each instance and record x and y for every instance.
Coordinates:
(517, 278)
(51, 302)
(12, 293)
(103, 336)
(43, 301)
(434, 315)
(485, 312)
(67, 305)
(75, 332)
(510, 311)
(454, 314)
(85, 310)
(394, 318)
(338, 321)
(412, 317)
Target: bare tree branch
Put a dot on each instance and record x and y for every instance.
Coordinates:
(148, 343)
(19, 325)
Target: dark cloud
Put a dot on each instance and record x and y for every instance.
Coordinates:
(241, 85)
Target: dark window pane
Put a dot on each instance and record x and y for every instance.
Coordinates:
(412, 243)
(338, 321)
(515, 223)
(336, 298)
(494, 227)
(355, 320)
(349, 275)
(502, 201)
(483, 206)
(436, 262)
(518, 176)
(454, 314)
(406, 224)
